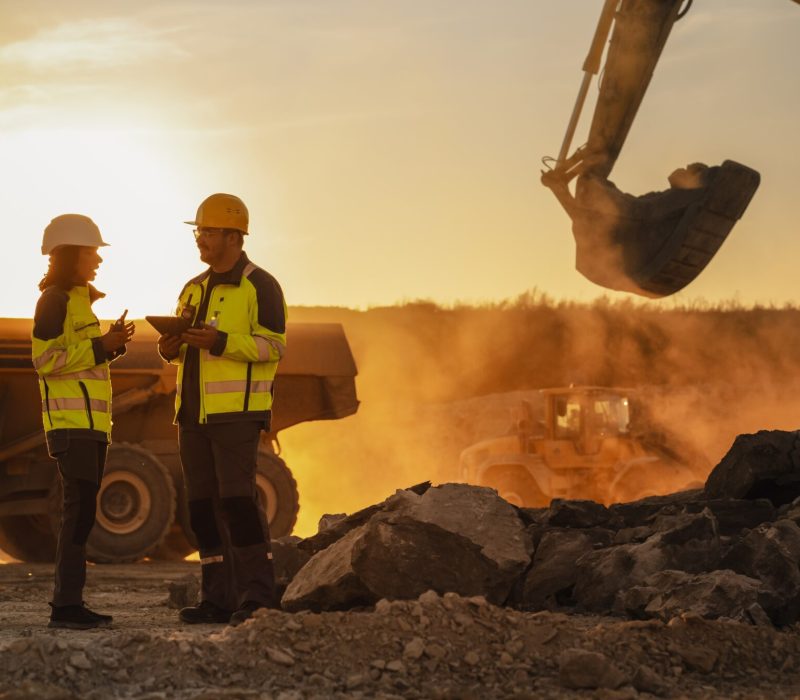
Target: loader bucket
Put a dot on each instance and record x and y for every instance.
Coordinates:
(656, 244)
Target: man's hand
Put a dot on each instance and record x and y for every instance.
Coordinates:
(119, 335)
(169, 346)
(203, 338)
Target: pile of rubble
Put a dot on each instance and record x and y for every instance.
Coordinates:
(730, 550)
(451, 593)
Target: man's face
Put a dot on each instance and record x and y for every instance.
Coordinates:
(212, 244)
(88, 262)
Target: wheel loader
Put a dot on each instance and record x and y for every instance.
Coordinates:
(654, 244)
(588, 442)
(141, 506)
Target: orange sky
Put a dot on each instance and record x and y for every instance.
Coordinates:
(387, 150)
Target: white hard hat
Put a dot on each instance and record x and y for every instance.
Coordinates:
(71, 229)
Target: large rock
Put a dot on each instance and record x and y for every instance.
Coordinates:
(714, 594)
(549, 582)
(687, 542)
(766, 464)
(453, 537)
(771, 553)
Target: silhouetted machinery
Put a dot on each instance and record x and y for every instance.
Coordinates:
(655, 244)
(141, 506)
(590, 442)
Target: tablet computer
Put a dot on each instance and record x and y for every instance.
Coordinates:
(168, 325)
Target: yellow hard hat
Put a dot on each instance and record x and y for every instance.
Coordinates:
(71, 229)
(222, 211)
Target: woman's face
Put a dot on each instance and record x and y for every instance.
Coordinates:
(86, 267)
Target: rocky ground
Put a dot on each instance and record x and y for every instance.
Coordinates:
(434, 647)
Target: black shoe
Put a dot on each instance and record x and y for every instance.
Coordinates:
(76, 617)
(245, 612)
(205, 613)
(102, 619)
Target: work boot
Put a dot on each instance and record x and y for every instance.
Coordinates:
(245, 612)
(102, 619)
(76, 617)
(205, 613)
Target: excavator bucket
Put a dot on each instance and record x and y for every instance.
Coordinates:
(656, 244)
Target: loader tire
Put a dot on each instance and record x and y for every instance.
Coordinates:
(135, 506)
(277, 493)
(28, 538)
(516, 486)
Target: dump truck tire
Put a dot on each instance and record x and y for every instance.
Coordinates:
(277, 491)
(28, 538)
(135, 506)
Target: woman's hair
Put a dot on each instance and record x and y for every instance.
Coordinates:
(61, 270)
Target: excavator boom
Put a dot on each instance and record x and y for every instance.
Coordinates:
(655, 244)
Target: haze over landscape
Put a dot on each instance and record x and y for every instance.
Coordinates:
(387, 151)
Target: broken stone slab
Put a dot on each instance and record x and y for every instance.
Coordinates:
(453, 538)
(335, 527)
(578, 514)
(692, 544)
(637, 513)
(287, 559)
(761, 465)
(771, 553)
(715, 594)
(549, 582)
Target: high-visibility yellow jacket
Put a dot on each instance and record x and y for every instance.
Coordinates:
(72, 365)
(235, 376)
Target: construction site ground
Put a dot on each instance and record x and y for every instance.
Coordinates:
(439, 647)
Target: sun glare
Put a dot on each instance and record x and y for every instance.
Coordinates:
(126, 181)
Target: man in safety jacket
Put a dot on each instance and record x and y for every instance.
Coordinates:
(227, 362)
(71, 356)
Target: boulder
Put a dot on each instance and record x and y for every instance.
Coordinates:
(577, 514)
(771, 553)
(452, 538)
(712, 595)
(688, 542)
(549, 582)
(765, 464)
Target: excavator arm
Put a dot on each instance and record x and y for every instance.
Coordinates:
(654, 244)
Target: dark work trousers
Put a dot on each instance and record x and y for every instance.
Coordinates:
(80, 467)
(219, 469)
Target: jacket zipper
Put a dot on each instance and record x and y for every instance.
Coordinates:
(88, 404)
(47, 401)
(247, 387)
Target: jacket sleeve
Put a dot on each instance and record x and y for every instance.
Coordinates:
(266, 341)
(52, 355)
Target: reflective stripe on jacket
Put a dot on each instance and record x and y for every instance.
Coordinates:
(236, 376)
(73, 368)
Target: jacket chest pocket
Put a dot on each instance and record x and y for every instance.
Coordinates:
(86, 326)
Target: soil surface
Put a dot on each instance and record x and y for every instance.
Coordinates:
(439, 647)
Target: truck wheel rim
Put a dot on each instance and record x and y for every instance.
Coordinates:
(268, 496)
(123, 503)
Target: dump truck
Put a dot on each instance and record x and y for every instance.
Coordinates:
(589, 442)
(141, 505)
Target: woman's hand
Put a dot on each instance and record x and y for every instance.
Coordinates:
(119, 335)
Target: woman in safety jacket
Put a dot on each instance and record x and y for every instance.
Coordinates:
(71, 357)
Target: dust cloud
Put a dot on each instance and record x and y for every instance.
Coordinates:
(434, 380)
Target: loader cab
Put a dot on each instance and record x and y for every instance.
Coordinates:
(582, 420)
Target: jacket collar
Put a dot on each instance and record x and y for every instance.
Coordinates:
(232, 276)
(88, 290)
